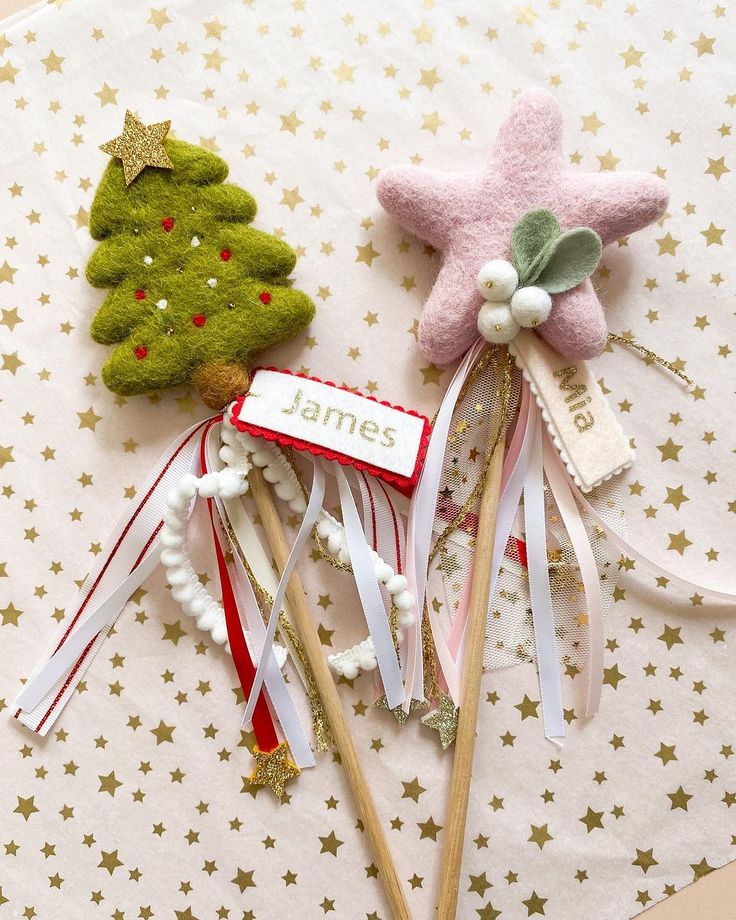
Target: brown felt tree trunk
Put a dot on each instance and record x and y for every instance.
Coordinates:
(219, 382)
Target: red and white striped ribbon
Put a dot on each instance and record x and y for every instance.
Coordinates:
(129, 556)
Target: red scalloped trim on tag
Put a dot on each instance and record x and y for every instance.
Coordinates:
(404, 484)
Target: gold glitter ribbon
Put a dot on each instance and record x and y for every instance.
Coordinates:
(651, 356)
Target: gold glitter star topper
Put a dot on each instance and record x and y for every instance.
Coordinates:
(273, 769)
(444, 720)
(139, 146)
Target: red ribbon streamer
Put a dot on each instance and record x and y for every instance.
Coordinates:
(263, 725)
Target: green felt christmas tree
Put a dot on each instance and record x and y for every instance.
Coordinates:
(195, 292)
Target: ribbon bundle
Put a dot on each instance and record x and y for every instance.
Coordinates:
(212, 461)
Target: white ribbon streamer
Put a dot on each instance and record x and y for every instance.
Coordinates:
(560, 486)
(265, 651)
(419, 537)
(535, 525)
(370, 594)
(117, 572)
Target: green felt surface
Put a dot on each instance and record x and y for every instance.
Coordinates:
(237, 323)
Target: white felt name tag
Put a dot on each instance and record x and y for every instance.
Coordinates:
(334, 422)
(583, 427)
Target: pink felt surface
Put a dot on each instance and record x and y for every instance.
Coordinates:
(469, 217)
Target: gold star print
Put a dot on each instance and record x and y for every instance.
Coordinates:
(139, 146)
(273, 769)
(444, 720)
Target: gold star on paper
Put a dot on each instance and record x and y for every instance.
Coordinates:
(139, 146)
(26, 807)
(273, 769)
(444, 720)
(52, 63)
(645, 860)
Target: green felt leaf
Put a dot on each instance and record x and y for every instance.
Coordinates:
(190, 282)
(530, 240)
(573, 257)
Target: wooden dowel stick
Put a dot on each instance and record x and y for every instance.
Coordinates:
(304, 625)
(462, 766)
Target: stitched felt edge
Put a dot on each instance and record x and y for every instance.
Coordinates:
(404, 484)
(555, 436)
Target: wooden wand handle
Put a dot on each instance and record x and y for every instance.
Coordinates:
(462, 766)
(304, 625)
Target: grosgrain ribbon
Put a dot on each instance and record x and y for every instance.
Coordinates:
(129, 555)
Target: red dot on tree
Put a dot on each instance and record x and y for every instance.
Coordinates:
(225, 255)
(168, 224)
(199, 319)
(140, 352)
(264, 297)
(140, 294)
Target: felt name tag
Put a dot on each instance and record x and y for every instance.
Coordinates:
(330, 421)
(583, 427)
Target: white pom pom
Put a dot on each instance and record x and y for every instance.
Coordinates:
(182, 594)
(404, 601)
(171, 558)
(209, 485)
(397, 584)
(219, 632)
(298, 505)
(230, 482)
(177, 576)
(172, 520)
(272, 474)
(383, 571)
(324, 528)
(285, 490)
(348, 669)
(497, 280)
(262, 457)
(344, 555)
(148, 260)
(170, 538)
(530, 306)
(176, 501)
(197, 606)
(405, 618)
(207, 619)
(228, 455)
(496, 324)
(334, 542)
(188, 485)
(212, 282)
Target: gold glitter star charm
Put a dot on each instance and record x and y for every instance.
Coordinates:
(444, 720)
(273, 768)
(139, 146)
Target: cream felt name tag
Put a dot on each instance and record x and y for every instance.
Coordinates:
(584, 429)
(330, 421)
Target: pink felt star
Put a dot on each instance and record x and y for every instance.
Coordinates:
(469, 217)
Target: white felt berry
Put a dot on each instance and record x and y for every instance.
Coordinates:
(212, 282)
(148, 260)
(496, 324)
(195, 241)
(530, 306)
(162, 304)
(497, 280)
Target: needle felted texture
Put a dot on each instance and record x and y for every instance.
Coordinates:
(193, 287)
(470, 217)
